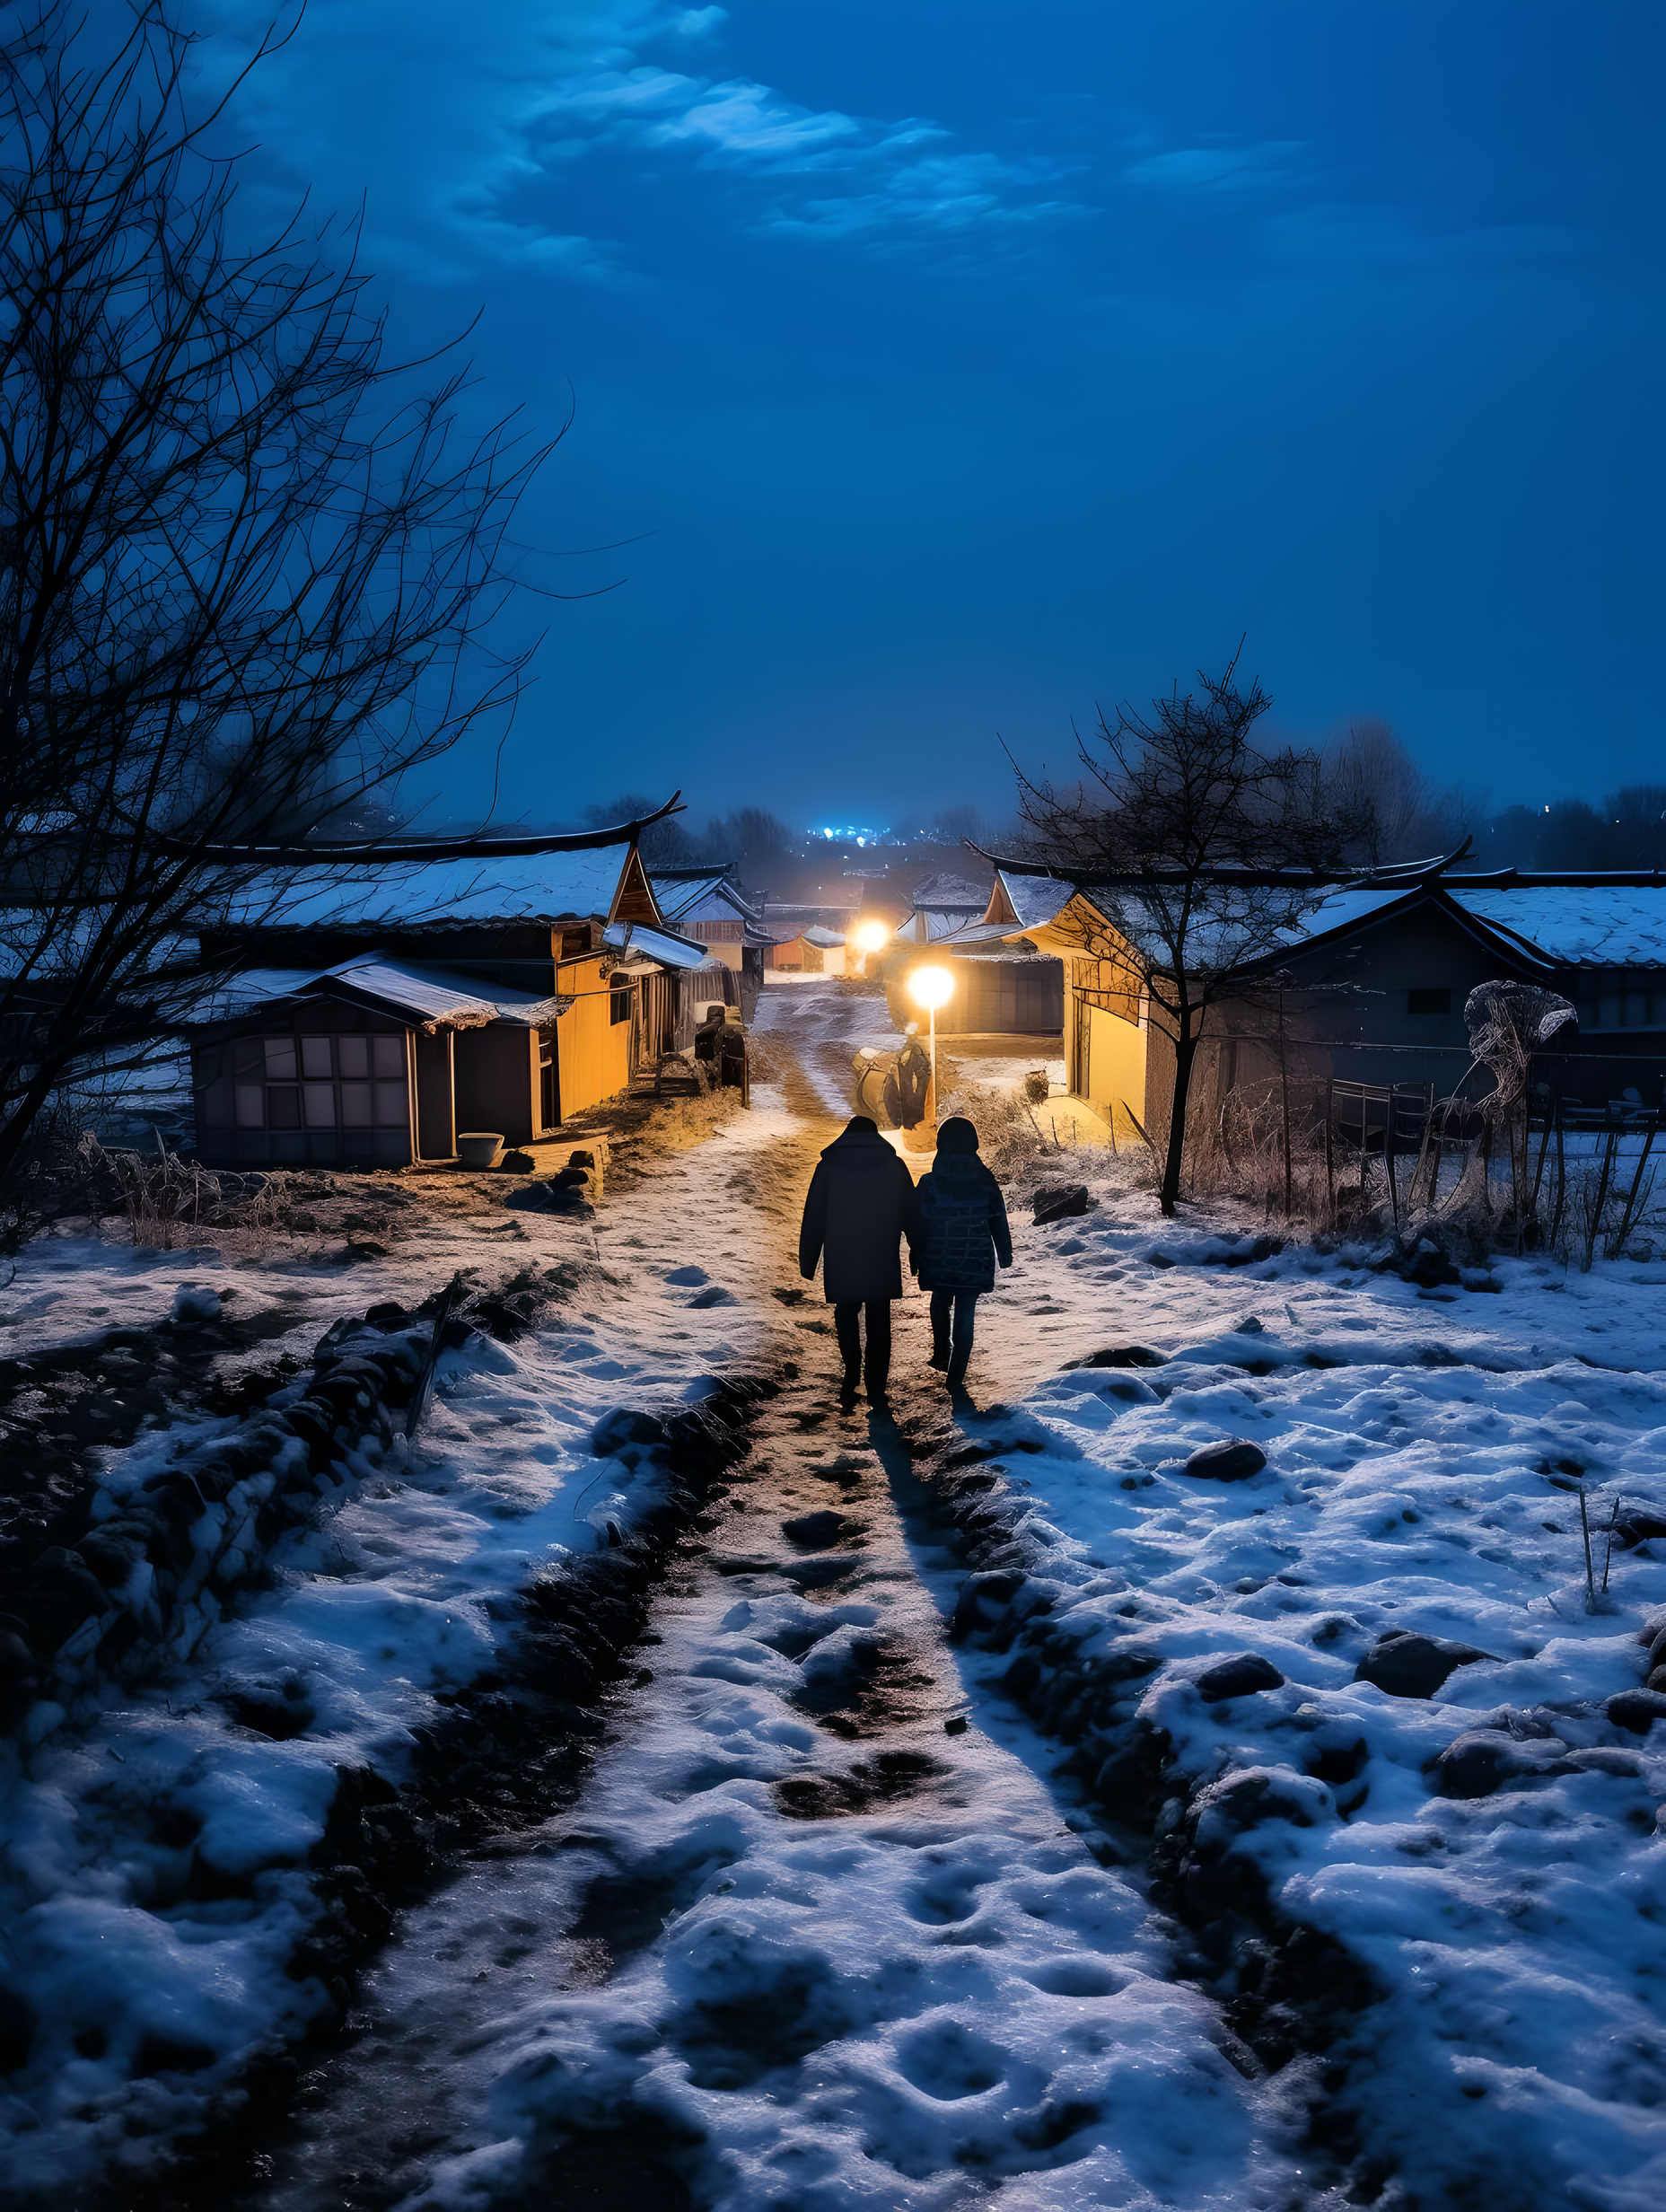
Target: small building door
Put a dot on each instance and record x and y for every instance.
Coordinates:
(549, 1090)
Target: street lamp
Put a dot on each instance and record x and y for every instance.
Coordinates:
(870, 937)
(932, 987)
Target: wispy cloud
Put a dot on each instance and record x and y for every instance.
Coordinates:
(1216, 168)
(454, 133)
(938, 193)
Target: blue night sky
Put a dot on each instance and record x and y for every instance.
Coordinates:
(956, 363)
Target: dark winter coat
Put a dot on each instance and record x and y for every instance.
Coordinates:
(962, 1230)
(913, 1083)
(860, 1205)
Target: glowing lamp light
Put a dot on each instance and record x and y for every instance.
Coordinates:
(872, 935)
(930, 988)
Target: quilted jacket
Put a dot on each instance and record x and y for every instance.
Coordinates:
(963, 1225)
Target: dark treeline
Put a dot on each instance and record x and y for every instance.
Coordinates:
(1366, 777)
(1369, 774)
(749, 838)
(1627, 830)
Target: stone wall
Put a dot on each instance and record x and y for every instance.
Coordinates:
(157, 1567)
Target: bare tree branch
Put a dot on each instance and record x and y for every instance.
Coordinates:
(247, 571)
(1181, 825)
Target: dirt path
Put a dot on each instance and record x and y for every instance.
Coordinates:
(810, 1940)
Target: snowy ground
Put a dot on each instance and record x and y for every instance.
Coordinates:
(151, 1995)
(1423, 1449)
(804, 1948)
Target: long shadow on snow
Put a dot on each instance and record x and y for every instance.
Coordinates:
(1286, 1990)
(515, 1747)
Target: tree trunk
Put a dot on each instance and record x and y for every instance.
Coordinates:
(1184, 1053)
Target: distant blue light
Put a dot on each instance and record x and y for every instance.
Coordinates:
(862, 835)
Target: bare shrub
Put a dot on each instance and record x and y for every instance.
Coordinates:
(1600, 1213)
(159, 1195)
(1008, 1139)
(1266, 1144)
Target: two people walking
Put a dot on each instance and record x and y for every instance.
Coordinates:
(863, 1203)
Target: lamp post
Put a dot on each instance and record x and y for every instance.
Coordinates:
(932, 987)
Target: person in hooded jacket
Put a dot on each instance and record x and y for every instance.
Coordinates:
(962, 1233)
(859, 1207)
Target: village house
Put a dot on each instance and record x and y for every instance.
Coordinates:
(708, 905)
(813, 951)
(1370, 990)
(941, 905)
(1006, 983)
(378, 1019)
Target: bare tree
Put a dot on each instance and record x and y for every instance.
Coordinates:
(245, 566)
(1372, 778)
(750, 834)
(1637, 814)
(1180, 825)
(665, 845)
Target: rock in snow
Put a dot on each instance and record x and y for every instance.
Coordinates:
(1407, 1665)
(1061, 1204)
(1637, 1709)
(1240, 1676)
(1480, 1760)
(1233, 1460)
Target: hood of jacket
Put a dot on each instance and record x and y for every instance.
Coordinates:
(857, 1148)
(960, 1171)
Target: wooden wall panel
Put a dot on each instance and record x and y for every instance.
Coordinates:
(592, 1052)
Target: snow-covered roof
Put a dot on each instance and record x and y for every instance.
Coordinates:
(684, 894)
(1035, 899)
(644, 942)
(1598, 925)
(946, 921)
(544, 887)
(1344, 909)
(977, 936)
(826, 938)
(425, 997)
(950, 893)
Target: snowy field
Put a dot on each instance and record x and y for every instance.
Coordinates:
(1490, 1853)
(801, 1978)
(149, 1999)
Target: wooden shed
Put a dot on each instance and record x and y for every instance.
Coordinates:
(509, 1003)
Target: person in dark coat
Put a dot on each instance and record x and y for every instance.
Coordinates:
(962, 1233)
(859, 1207)
(914, 1080)
(705, 1044)
(731, 1061)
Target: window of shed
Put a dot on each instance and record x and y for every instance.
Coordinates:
(1429, 1001)
(619, 1006)
(319, 1082)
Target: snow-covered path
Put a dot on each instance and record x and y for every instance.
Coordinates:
(801, 1945)
(793, 1937)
